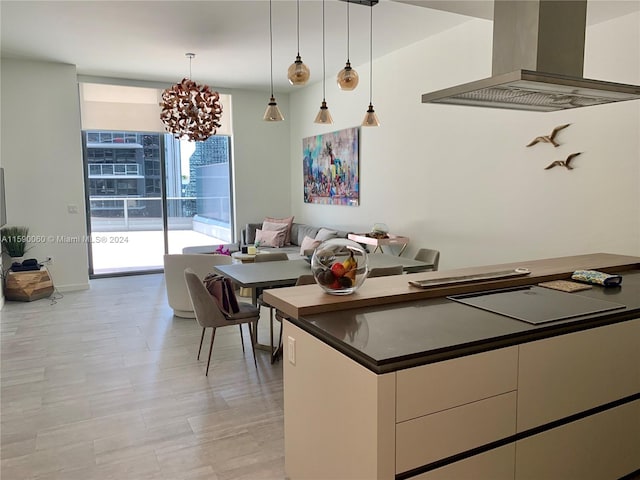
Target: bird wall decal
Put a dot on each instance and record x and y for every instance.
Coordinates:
(549, 138)
(564, 163)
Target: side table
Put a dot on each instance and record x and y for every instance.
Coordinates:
(379, 242)
(28, 286)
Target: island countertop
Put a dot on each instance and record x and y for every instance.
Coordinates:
(398, 335)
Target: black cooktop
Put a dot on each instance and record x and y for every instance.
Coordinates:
(536, 305)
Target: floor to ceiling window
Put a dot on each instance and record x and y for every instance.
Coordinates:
(149, 194)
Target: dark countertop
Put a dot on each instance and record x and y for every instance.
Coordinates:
(393, 337)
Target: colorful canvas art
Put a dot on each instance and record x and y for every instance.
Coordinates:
(330, 168)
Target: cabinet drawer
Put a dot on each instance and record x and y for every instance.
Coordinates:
(426, 439)
(572, 373)
(439, 386)
(496, 464)
(602, 446)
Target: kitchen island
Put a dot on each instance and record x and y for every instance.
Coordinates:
(401, 382)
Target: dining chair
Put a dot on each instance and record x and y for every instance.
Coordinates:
(280, 316)
(430, 256)
(385, 271)
(208, 314)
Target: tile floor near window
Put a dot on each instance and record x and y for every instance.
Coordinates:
(104, 384)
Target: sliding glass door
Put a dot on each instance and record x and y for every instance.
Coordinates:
(150, 194)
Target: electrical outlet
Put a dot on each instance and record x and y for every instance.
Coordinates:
(291, 349)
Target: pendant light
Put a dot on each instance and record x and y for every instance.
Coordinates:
(272, 113)
(370, 118)
(298, 73)
(323, 115)
(348, 77)
(190, 111)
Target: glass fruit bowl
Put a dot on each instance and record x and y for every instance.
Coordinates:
(339, 266)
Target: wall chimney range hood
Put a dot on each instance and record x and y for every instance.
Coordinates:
(538, 58)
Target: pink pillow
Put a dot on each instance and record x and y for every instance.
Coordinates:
(288, 221)
(308, 243)
(270, 238)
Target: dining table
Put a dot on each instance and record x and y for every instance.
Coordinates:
(285, 273)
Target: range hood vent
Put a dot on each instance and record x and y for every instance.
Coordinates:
(530, 39)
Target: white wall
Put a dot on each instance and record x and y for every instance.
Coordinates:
(42, 158)
(461, 180)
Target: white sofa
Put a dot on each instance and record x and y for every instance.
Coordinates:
(174, 267)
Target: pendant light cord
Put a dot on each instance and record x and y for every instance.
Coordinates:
(298, 28)
(271, 47)
(348, 32)
(323, 61)
(371, 55)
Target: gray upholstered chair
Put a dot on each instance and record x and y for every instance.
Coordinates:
(428, 255)
(385, 271)
(208, 314)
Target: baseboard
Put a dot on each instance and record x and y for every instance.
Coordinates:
(72, 287)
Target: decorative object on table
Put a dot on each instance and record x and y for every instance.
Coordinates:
(379, 230)
(549, 138)
(191, 111)
(14, 241)
(597, 278)
(340, 266)
(563, 163)
(565, 286)
(347, 77)
(272, 113)
(298, 73)
(330, 168)
(222, 250)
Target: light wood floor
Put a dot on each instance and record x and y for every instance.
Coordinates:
(104, 384)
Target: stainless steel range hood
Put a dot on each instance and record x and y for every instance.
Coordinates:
(538, 58)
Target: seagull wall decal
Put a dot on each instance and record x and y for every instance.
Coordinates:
(549, 138)
(564, 163)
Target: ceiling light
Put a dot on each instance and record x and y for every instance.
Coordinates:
(298, 73)
(370, 118)
(272, 113)
(323, 115)
(348, 77)
(190, 111)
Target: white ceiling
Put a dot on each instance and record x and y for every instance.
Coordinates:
(148, 39)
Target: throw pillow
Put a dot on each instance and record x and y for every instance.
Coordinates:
(288, 221)
(270, 238)
(326, 234)
(275, 227)
(308, 243)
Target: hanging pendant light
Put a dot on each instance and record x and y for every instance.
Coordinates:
(190, 111)
(370, 118)
(347, 77)
(272, 113)
(323, 115)
(298, 73)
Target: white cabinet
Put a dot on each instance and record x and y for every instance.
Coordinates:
(599, 447)
(496, 464)
(568, 374)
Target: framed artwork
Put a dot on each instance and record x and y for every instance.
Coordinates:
(331, 168)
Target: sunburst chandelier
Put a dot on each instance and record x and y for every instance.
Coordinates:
(191, 111)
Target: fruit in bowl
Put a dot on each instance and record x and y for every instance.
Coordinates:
(339, 266)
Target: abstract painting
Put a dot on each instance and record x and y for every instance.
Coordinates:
(330, 168)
